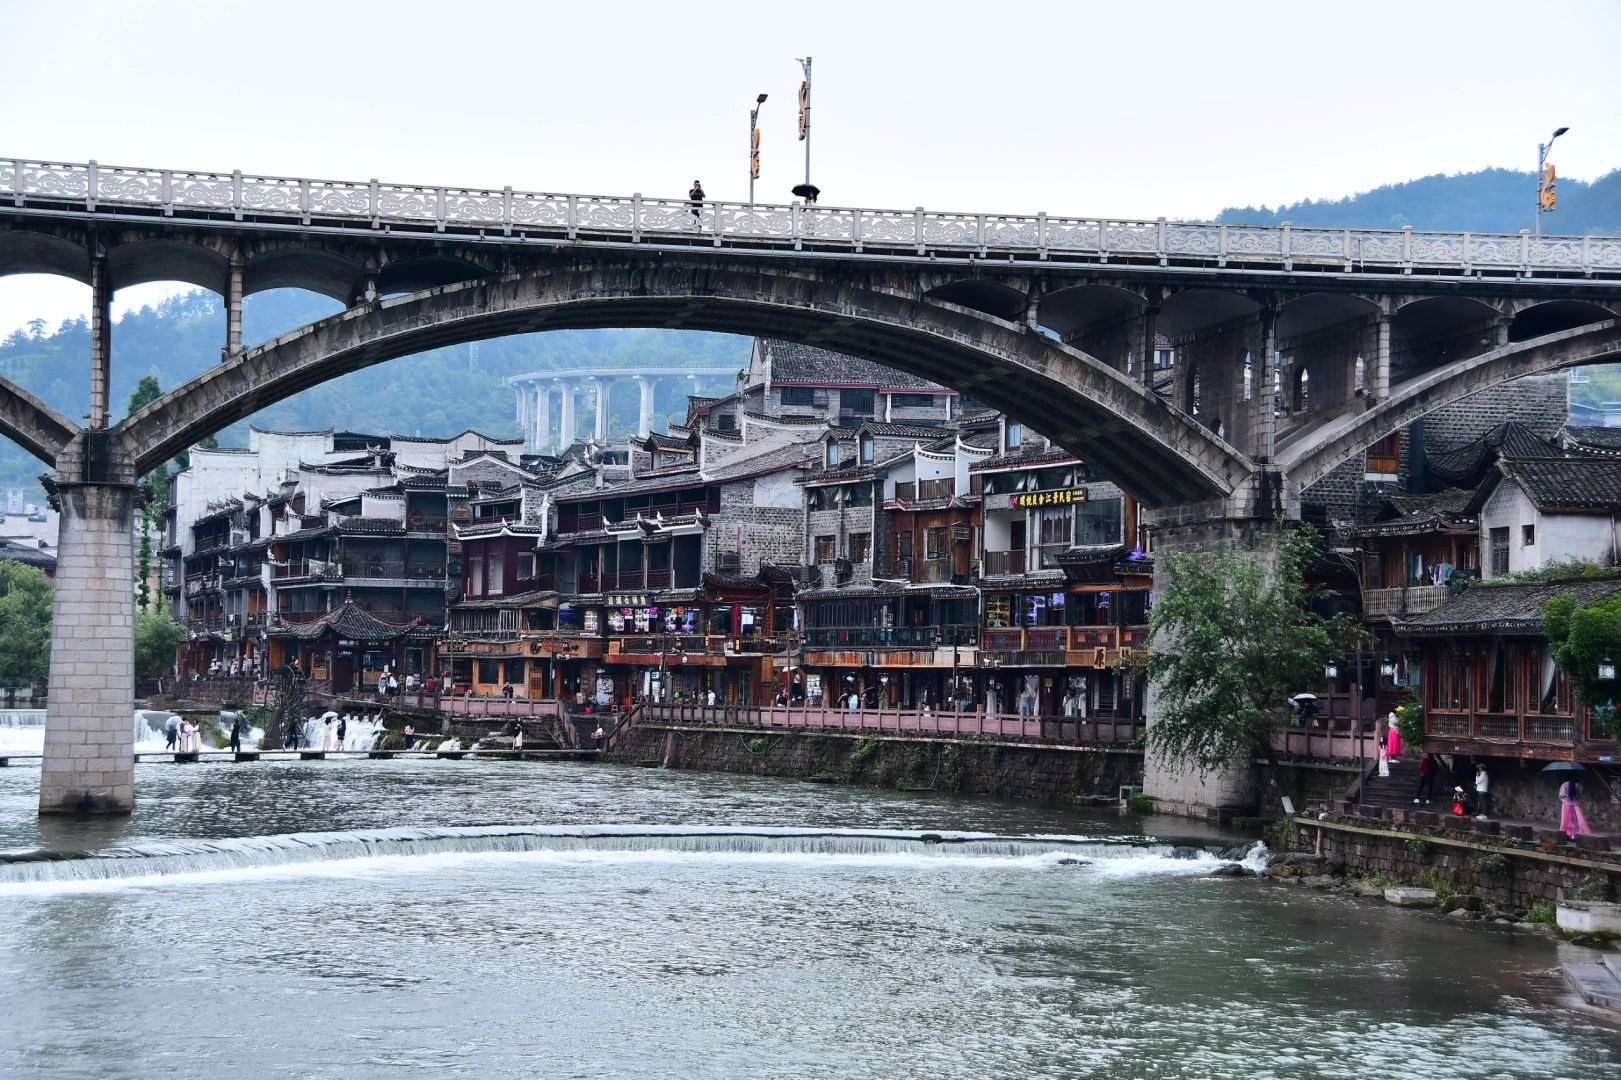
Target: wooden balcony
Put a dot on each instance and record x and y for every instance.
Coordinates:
(1003, 563)
(1404, 601)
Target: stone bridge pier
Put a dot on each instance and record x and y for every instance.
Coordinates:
(1250, 522)
(89, 763)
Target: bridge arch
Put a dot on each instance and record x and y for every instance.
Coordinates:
(32, 424)
(1551, 316)
(990, 297)
(1150, 448)
(25, 251)
(1434, 331)
(168, 260)
(1311, 459)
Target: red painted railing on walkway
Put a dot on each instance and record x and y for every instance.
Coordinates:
(977, 723)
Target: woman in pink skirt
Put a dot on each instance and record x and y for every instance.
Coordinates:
(1572, 822)
(1392, 740)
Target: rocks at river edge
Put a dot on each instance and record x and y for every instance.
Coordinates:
(1233, 869)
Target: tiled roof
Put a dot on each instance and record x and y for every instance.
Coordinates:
(350, 620)
(903, 431)
(1090, 554)
(1599, 440)
(1466, 464)
(795, 363)
(524, 599)
(1562, 485)
(371, 525)
(442, 441)
(655, 441)
(1040, 455)
(27, 554)
(1405, 514)
(219, 510)
(1503, 609)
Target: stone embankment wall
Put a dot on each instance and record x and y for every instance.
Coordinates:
(1036, 773)
(1507, 873)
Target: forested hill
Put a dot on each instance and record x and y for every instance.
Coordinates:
(1494, 200)
(435, 393)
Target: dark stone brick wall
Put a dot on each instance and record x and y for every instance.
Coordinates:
(1412, 855)
(1539, 402)
(1035, 773)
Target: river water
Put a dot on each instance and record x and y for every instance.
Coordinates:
(504, 919)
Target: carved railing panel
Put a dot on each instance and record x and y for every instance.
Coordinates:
(91, 187)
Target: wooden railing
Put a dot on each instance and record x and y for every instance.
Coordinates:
(1001, 563)
(1106, 731)
(1407, 600)
(1502, 727)
(1013, 639)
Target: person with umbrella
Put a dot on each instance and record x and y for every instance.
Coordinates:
(1572, 822)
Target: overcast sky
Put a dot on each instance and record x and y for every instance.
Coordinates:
(1173, 109)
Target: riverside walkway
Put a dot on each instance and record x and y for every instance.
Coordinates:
(193, 757)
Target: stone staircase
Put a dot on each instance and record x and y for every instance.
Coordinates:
(1599, 984)
(1396, 790)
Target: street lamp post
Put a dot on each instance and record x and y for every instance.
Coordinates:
(1542, 162)
(804, 112)
(808, 191)
(754, 145)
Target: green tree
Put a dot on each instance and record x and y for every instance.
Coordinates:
(1582, 636)
(156, 639)
(26, 596)
(145, 392)
(1234, 636)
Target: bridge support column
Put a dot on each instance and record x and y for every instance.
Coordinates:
(1177, 787)
(89, 764)
(1381, 359)
(1263, 414)
(1149, 324)
(600, 431)
(565, 430)
(233, 307)
(541, 432)
(644, 414)
(101, 331)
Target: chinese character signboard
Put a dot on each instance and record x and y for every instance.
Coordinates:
(1067, 497)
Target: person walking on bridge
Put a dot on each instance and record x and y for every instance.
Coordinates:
(696, 197)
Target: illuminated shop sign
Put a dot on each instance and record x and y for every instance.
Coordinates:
(1066, 497)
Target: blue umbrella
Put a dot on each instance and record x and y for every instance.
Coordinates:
(1564, 766)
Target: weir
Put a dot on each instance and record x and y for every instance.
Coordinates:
(157, 860)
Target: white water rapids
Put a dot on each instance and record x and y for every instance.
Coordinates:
(203, 861)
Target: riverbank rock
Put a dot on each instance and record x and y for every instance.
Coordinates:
(1302, 864)
(1233, 869)
(1408, 896)
(1461, 902)
(1377, 892)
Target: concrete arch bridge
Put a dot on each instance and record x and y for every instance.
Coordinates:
(1294, 348)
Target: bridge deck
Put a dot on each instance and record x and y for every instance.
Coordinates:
(483, 215)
